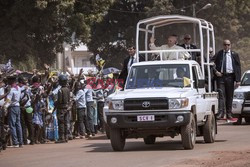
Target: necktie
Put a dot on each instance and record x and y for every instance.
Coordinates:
(225, 63)
(131, 61)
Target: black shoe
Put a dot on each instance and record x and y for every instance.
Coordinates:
(4, 147)
(32, 143)
(60, 141)
(220, 116)
(20, 145)
(42, 142)
(37, 142)
(87, 136)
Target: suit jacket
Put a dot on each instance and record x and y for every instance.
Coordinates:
(124, 73)
(218, 58)
(193, 54)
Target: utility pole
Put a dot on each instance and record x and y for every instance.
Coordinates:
(194, 25)
(194, 15)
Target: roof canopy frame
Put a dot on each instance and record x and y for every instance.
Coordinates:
(149, 25)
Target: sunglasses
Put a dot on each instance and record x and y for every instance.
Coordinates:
(187, 38)
(225, 44)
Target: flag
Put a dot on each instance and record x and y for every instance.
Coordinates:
(110, 75)
(186, 81)
(99, 61)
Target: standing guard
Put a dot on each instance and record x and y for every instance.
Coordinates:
(62, 104)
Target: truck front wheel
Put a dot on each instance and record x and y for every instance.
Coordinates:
(117, 139)
(209, 129)
(247, 119)
(188, 134)
(149, 139)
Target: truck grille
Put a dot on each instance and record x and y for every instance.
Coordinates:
(145, 104)
(247, 99)
(247, 95)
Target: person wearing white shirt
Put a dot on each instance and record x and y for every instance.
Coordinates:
(228, 76)
(14, 112)
(81, 107)
(188, 45)
(90, 110)
(128, 61)
(26, 116)
(171, 45)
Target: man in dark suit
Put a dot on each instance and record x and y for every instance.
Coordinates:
(128, 61)
(187, 45)
(228, 75)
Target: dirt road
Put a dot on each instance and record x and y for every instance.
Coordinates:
(231, 149)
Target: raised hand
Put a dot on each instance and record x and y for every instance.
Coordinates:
(152, 40)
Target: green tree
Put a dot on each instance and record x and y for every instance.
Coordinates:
(38, 28)
(230, 20)
(117, 30)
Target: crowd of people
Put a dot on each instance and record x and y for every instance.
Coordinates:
(51, 107)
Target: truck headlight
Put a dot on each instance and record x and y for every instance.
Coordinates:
(116, 105)
(238, 95)
(177, 103)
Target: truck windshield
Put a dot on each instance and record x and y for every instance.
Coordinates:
(165, 75)
(246, 80)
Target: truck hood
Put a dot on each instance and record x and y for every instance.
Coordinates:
(152, 93)
(242, 89)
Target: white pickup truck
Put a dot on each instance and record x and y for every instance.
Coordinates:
(241, 101)
(163, 98)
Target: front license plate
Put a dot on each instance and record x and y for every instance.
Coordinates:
(142, 118)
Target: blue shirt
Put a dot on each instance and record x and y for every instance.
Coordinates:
(80, 99)
(89, 95)
(14, 96)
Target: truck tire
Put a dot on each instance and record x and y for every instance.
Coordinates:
(117, 140)
(209, 129)
(149, 139)
(247, 119)
(239, 121)
(188, 134)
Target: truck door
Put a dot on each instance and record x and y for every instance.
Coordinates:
(199, 85)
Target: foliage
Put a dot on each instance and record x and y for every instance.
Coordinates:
(34, 30)
(117, 31)
(230, 20)
(38, 28)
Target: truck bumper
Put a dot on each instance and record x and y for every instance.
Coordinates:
(237, 108)
(164, 119)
